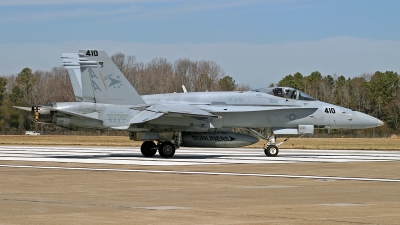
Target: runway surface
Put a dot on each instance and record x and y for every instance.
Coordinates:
(188, 156)
(103, 185)
(191, 157)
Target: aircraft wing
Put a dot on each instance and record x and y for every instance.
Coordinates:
(141, 117)
(149, 113)
(155, 111)
(23, 108)
(145, 116)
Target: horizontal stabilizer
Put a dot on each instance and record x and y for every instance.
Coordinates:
(86, 116)
(23, 108)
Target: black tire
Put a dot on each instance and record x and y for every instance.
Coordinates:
(166, 150)
(271, 150)
(148, 149)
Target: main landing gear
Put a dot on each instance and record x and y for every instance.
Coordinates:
(148, 148)
(165, 149)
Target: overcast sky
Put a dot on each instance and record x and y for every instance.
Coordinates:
(257, 42)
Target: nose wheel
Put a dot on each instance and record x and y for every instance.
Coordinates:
(271, 150)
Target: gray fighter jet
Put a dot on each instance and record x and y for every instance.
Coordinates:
(164, 122)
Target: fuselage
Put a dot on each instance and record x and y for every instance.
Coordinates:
(248, 109)
(287, 113)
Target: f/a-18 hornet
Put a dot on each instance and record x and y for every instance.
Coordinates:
(164, 122)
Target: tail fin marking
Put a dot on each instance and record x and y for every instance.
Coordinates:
(99, 79)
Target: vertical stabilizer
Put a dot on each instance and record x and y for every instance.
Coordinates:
(71, 63)
(102, 79)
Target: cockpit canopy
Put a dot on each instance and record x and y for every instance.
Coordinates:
(286, 92)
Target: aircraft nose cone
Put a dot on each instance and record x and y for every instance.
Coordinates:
(367, 121)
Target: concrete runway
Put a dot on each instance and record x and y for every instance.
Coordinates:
(188, 156)
(92, 185)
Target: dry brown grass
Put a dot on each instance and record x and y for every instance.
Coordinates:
(123, 141)
(67, 140)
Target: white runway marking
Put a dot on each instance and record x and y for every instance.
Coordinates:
(190, 156)
(208, 173)
(187, 156)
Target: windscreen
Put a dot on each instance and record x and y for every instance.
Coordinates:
(285, 92)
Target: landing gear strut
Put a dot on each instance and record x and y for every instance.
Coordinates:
(271, 147)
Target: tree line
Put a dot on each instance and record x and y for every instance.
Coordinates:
(375, 94)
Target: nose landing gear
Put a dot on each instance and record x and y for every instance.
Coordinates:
(271, 150)
(271, 147)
